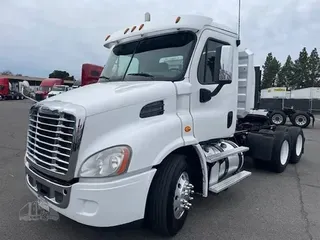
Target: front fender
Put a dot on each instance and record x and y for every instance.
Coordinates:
(151, 139)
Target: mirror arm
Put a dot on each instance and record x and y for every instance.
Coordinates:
(217, 90)
(206, 95)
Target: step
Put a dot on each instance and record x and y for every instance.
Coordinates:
(218, 187)
(222, 155)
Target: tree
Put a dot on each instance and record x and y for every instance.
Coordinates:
(7, 72)
(301, 75)
(271, 69)
(286, 74)
(314, 68)
(59, 74)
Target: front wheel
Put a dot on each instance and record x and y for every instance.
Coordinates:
(169, 196)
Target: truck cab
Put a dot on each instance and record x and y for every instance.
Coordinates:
(4, 88)
(90, 73)
(58, 89)
(168, 118)
(46, 86)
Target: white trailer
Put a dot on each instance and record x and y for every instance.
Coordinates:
(146, 138)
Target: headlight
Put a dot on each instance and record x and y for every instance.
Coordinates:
(109, 162)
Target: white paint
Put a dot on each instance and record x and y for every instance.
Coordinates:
(191, 22)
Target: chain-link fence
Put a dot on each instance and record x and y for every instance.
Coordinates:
(312, 105)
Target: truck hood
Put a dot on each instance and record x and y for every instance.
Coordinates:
(100, 97)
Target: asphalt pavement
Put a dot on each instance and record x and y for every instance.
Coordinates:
(264, 206)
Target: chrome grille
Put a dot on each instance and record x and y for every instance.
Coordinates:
(50, 140)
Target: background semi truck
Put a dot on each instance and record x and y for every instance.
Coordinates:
(90, 73)
(46, 86)
(58, 89)
(173, 119)
(7, 92)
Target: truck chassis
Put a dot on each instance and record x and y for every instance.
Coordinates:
(297, 118)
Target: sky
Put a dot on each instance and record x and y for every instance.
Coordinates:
(40, 36)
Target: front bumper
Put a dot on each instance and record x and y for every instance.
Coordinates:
(98, 204)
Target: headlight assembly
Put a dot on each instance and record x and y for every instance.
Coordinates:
(109, 162)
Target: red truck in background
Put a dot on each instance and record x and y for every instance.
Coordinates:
(46, 86)
(90, 73)
(6, 92)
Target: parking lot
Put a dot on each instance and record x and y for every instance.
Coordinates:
(264, 206)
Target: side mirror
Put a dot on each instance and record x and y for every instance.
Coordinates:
(223, 66)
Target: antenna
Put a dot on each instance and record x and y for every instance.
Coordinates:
(239, 22)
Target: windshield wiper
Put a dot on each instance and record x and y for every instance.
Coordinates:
(141, 74)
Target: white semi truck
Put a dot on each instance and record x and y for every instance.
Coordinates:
(170, 117)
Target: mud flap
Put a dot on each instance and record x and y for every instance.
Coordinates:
(312, 116)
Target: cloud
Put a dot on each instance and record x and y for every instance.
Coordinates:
(40, 36)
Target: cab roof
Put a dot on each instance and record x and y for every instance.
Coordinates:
(183, 22)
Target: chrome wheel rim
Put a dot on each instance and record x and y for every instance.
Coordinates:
(277, 119)
(182, 195)
(301, 120)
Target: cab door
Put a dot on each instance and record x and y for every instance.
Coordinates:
(215, 118)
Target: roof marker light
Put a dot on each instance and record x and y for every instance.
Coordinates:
(133, 28)
(125, 31)
(178, 19)
(107, 37)
(141, 26)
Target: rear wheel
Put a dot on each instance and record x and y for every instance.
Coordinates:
(278, 118)
(169, 197)
(297, 142)
(281, 151)
(300, 119)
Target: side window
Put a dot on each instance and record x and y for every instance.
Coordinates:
(206, 64)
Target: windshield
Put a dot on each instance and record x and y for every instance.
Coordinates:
(44, 89)
(58, 88)
(162, 58)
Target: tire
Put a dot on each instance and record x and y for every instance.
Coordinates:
(281, 151)
(301, 119)
(278, 118)
(297, 142)
(160, 214)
